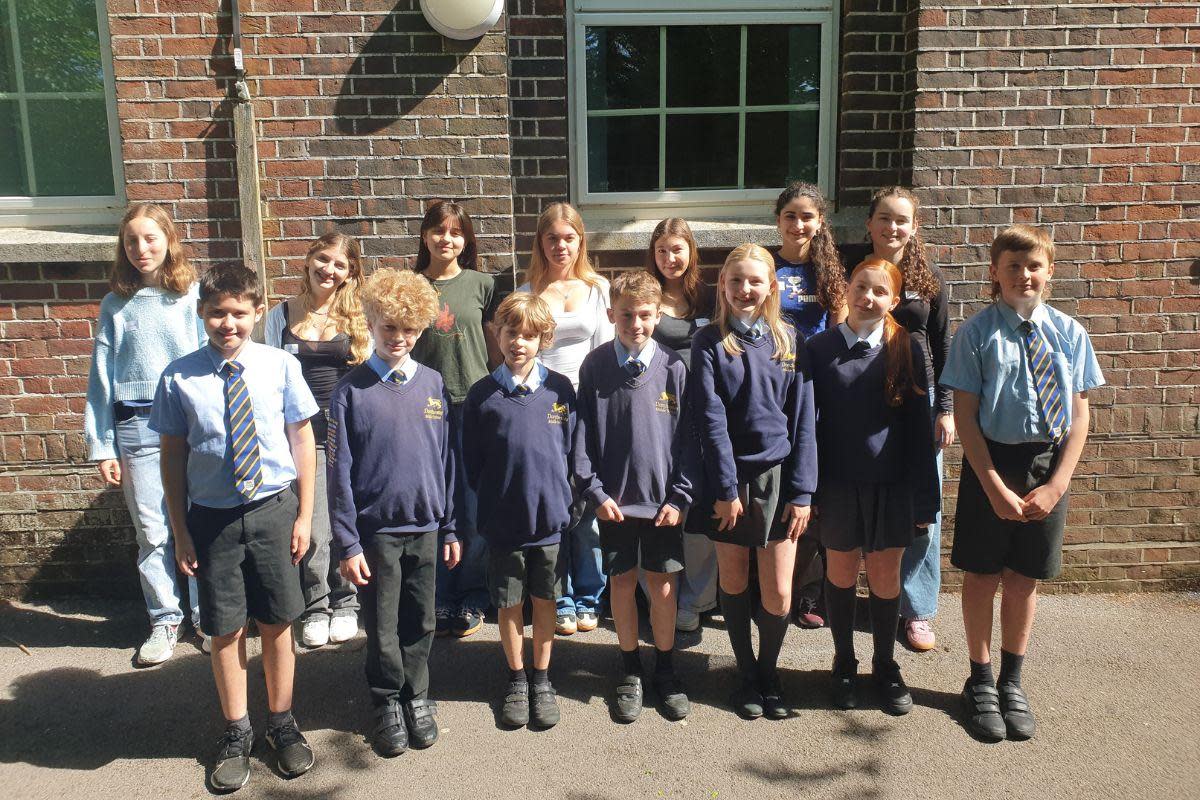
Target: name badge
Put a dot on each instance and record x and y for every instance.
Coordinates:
(131, 325)
(912, 295)
(702, 321)
(292, 347)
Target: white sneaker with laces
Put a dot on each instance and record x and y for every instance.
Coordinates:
(314, 631)
(343, 628)
(159, 646)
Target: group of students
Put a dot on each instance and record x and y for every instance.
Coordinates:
(407, 448)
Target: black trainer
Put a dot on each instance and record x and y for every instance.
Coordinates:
(390, 737)
(894, 697)
(747, 700)
(843, 691)
(628, 706)
(1018, 717)
(774, 706)
(466, 622)
(672, 701)
(543, 705)
(515, 711)
(443, 621)
(422, 726)
(981, 702)
(292, 753)
(231, 767)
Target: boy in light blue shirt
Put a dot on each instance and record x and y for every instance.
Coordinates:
(238, 446)
(1020, 371)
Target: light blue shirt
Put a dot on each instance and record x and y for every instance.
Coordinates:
(645, 356)
(408, 369)
(190, 402)
(873, 338)
(505, 377)
(987, 358)
(759, 326)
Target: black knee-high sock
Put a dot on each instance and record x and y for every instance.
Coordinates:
(736, 610)
(771, 630)
(839, 605)
(885, 614)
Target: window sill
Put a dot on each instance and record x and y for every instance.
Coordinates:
(716, 234)
(34, 245)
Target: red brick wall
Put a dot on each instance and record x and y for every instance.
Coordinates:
(1084, 120)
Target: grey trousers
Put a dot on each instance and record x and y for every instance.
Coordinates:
(325, 590)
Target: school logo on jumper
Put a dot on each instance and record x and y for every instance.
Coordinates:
(787, 362)
(667, 404)
(558, 413)
(433, 409)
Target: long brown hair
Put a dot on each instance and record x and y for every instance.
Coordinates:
(901, 379)
(768, 312)
(176, 273)
(437, 214)
(822, 250)
(675, 226)
(582, 269)
(914, 264)
(345, 310)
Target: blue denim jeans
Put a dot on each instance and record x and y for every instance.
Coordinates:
(325, 590)
(583, 566)
(921, 568)
(141, 483)
(465, 586)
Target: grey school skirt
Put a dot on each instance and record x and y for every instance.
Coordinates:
(866, 516)
(760, 523)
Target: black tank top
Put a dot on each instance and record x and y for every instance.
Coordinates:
(322, 363)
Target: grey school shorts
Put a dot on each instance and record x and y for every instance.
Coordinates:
(246, 567)
(512, 574)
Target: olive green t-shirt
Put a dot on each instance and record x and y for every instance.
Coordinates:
(454, 344)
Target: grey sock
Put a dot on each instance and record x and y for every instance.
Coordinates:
(276, 719)
(240, 725)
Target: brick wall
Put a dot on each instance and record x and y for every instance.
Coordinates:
(1083, 118)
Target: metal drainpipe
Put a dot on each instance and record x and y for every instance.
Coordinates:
(246, 145)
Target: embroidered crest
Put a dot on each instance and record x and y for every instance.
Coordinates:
(667, 404)
(558, 413)
(433, 409)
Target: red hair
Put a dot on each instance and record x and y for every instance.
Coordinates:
(901, 378)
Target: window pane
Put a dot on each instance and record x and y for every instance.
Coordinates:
(60, 48)
(622, 67)
(780, 147)
(8, 82)
(702, 151)
(12, 173)
(71, 153)
(702, 65)
(623, 154)
(783, 64)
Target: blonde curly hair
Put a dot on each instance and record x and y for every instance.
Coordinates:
(400, 296)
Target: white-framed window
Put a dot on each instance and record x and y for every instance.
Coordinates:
(59, 133)
(703, 106)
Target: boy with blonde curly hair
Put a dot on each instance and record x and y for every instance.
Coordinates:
(386, 521)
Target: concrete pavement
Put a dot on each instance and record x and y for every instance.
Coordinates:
(1113, 679)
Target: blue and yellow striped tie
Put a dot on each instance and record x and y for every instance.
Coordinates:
(1050, 400)
(243, 438)
(397, 377)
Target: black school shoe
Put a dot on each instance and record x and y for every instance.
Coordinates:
(747, 700)
(628, 706)
(981, 704)
(292, 753)
(390, 737)
(672, 701)
(422, 727)
(231, 767)
(543, 705)
(843, 690)
(515, 711)
(894, 697)
(1014, 707)
(774, 706)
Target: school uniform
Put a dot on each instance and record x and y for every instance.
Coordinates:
(630, 442)
(516, 446)
(241, 528)
(876, 462)
(755, 421)
(989, 357)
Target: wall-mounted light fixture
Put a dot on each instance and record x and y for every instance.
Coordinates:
(462, 19)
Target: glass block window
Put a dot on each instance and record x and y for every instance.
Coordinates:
(706, 106)
(56, 112)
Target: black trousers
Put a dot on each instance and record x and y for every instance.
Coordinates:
(398, 613)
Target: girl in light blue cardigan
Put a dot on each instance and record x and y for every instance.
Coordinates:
(146, 321)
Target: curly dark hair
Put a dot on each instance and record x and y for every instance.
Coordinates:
(822, 252)
(914, 265)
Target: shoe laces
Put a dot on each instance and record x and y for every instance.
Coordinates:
(442, 612)
(920, 627)
(233, 743)
(286, 734)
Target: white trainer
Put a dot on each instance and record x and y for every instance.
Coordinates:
(314, 631)
(343, 628)
(159, 646)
